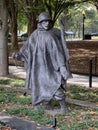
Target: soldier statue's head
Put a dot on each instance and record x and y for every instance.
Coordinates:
(44, 16)
(45, 20)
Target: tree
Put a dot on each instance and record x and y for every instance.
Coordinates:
(3, 39)
(94, 2)
(31, 9)
(56, 7)
(21, 21)
(12, 7)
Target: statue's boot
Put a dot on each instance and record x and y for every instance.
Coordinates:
(47, 105)
(63, 106)
(37, 107)
(44, 106)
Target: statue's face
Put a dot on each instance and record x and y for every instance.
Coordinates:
(45, 24)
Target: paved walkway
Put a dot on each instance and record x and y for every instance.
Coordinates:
(83, 80)
(77, 79)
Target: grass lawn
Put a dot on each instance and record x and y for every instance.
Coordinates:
(80, 118)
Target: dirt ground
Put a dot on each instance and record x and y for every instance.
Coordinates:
(82, 53)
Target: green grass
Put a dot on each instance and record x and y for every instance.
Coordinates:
(15, 103)
(13, 82)
(75, 92)
(82, 93)
(9, 96)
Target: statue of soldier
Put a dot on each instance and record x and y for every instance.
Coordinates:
(45, 63)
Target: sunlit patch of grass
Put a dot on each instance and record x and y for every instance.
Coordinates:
(82, 93)
(8, 96)
(13, 82)
(3, 127)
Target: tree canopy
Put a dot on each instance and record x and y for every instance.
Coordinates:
(27, 11)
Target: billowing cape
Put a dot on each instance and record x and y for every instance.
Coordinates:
(43, 56)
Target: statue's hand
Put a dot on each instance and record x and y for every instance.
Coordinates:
(16, 56)
(13, 55)
(64, 72)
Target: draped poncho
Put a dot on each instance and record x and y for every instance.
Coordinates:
(43, 56)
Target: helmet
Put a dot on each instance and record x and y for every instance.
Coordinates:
(44, 16)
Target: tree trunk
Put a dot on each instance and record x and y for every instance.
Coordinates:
(32, 23)
(14, 34)
(12, 7)
(3, 40)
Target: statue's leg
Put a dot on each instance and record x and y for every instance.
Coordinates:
(63, 106)
(60, 97)
(47, 105)
(44, 105)
(37, 107)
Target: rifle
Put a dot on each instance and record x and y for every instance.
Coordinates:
(64, 45)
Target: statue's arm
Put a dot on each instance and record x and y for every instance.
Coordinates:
(22, 53)
(17, 56)
(64, 72)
